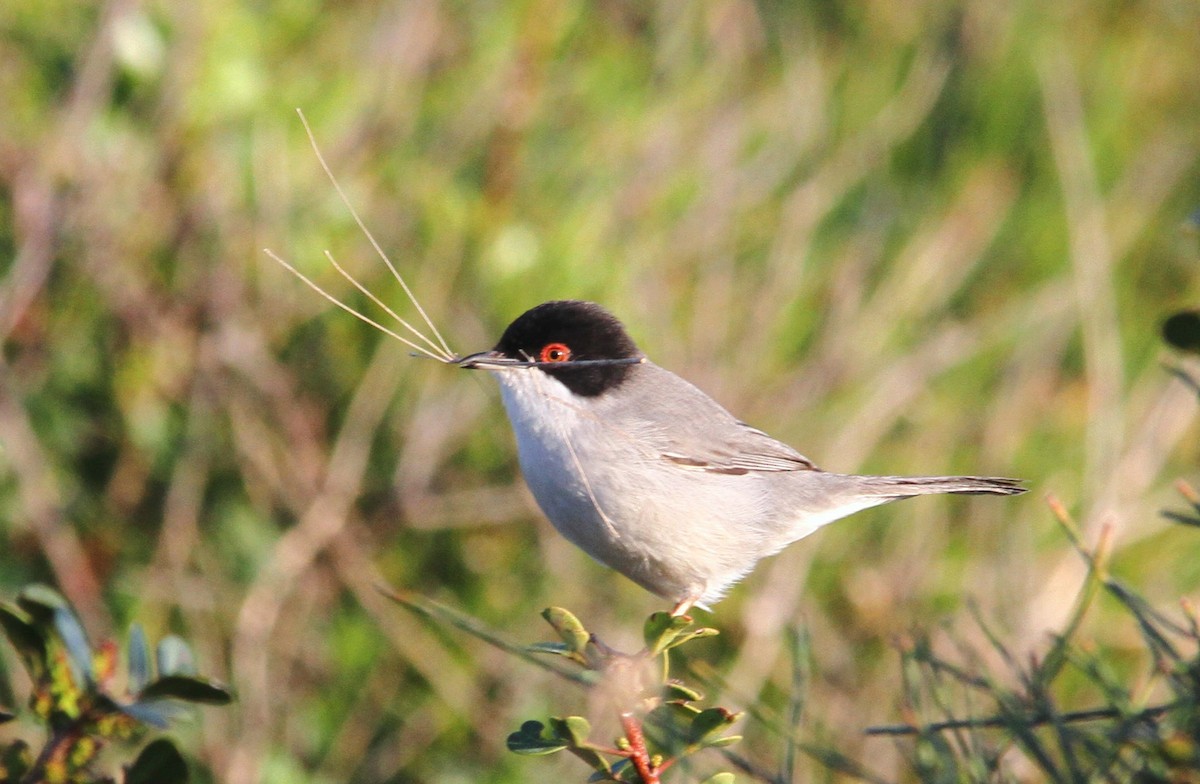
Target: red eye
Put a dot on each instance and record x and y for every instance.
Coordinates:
(555, 352)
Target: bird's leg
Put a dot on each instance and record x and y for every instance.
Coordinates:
(684, 605)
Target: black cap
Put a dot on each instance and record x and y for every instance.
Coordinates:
(564, 333)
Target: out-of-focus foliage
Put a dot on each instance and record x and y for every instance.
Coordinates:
(1137, 727)
(907, 238)
(1018, 723)
(84, 704)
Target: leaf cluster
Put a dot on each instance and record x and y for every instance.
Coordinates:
(661, 721)
(75, 695)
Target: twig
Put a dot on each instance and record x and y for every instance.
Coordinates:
(1035, 720)
(428, 608)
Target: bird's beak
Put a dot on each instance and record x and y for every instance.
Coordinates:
(487, 359)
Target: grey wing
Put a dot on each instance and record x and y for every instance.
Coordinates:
(740, 450)
(703, 435)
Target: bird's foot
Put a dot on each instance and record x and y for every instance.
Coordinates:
(685, 604)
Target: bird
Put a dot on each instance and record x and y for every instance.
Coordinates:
(649, 475)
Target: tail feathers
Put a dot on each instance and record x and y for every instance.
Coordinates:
(896, 487)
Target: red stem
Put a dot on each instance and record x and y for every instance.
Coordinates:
(637, 748)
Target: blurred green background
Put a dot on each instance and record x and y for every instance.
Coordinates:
(926, 237)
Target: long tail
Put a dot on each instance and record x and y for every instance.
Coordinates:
(830, 497)
(896, 487)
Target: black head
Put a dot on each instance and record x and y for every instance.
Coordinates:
(565, 333)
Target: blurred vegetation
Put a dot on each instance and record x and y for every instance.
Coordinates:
(1140, 726)
(907, 238)
(86, 701)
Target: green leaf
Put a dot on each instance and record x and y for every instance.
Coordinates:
(710, 723)
(139, 659)
(661, 628)
(672, 724)
(674, 718)
(174, 657)
(696, 634)
(26, 638)
(532, 740)
(574, 729)
(663, 632)
(159, 763)
(189, 688)
(674, 690)
(719, 778)
(40, 601)
(568, 627)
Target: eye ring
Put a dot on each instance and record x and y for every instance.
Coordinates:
(555, 352)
